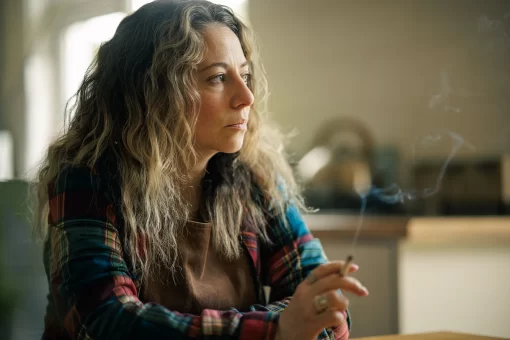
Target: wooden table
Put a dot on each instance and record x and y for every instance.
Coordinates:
(432, 336)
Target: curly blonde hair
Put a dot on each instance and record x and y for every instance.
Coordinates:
(138, 103)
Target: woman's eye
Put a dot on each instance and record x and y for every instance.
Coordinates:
(246, 78)
(220, 78)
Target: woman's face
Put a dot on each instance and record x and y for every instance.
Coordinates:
(222, 79)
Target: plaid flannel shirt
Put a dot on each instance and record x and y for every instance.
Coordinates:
(94, 295)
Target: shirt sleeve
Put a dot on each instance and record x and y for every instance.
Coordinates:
(93, 290)
(293, 254)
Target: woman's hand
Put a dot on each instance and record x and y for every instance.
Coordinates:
(317, 304)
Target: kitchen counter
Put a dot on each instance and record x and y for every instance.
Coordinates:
(483, 229)
(411, 263)
(341, 225)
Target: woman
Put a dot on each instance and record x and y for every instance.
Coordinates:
(167, 205)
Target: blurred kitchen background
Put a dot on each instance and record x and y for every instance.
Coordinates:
(401, 107)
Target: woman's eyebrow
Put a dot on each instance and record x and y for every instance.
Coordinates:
(222, 64)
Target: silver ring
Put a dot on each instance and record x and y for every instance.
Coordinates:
(320, 303)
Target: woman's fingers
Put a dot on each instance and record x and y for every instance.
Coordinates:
(317, 302)
(336, 300)
(330, 318)
(353, 268)
(333, 267)
(335, 281)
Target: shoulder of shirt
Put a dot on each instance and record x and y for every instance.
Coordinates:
(98, 178)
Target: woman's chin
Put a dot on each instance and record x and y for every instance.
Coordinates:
(232, 147)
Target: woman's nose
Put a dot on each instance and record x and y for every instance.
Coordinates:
(243, 96)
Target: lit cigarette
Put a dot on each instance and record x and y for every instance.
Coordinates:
(347, 266)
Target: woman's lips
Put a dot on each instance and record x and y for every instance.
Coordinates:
(240, 126)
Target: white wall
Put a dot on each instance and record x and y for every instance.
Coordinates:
(381, 62)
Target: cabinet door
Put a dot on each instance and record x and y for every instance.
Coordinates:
(376, 314)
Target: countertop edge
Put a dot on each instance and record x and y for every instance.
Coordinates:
(479, 229)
